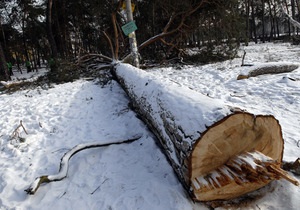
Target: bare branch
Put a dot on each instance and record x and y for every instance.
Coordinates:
(23, 127)
(116, 53)
(16, 132)
(165, 32)
(110, 45)
(90, 56)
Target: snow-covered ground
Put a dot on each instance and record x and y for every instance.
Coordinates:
(135, 175)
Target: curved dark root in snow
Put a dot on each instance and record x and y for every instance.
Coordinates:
(64, 163)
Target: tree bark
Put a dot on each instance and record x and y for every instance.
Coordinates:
(253, 22)
(3, 66)
(267, 68)
(272, 22)
(263, 21)
(51, 39)
(291, 20)
(199, 135)
(248, 34)
(132, 36)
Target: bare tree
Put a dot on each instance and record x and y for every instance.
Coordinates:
(294, 22)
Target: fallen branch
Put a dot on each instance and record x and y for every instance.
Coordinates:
(16, 132)
(64, 163)
(98, 186)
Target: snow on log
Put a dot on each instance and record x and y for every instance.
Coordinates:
(208, 143)
(267, 68)
(12, 83)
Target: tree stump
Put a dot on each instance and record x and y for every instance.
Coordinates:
(217, 151)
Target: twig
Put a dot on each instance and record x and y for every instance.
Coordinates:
(62, 195)
(239, 96)
(243, 58)
(110, 45)
(99, 186)
(95, 190)
(16, 133)
(23, 127)
(90, 56)
(63, 169)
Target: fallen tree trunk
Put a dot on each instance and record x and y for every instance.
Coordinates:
(267, 68)
(203, 138)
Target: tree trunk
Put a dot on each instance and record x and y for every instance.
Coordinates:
(293, 16)
(3, 67)
(248, 34)
(253, 22)
(291, 20)
(272, 22)
(267, 68)
(276, 22)
(132, 36)
(54, 52)
(263, 21)
(287, 9)
(202, 137)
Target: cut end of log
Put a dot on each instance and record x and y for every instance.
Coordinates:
(241, 76)
(235, 156)
(246, 172)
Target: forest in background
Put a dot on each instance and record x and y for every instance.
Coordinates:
(60, 33)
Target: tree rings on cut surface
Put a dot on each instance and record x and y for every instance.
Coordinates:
(234, 135)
